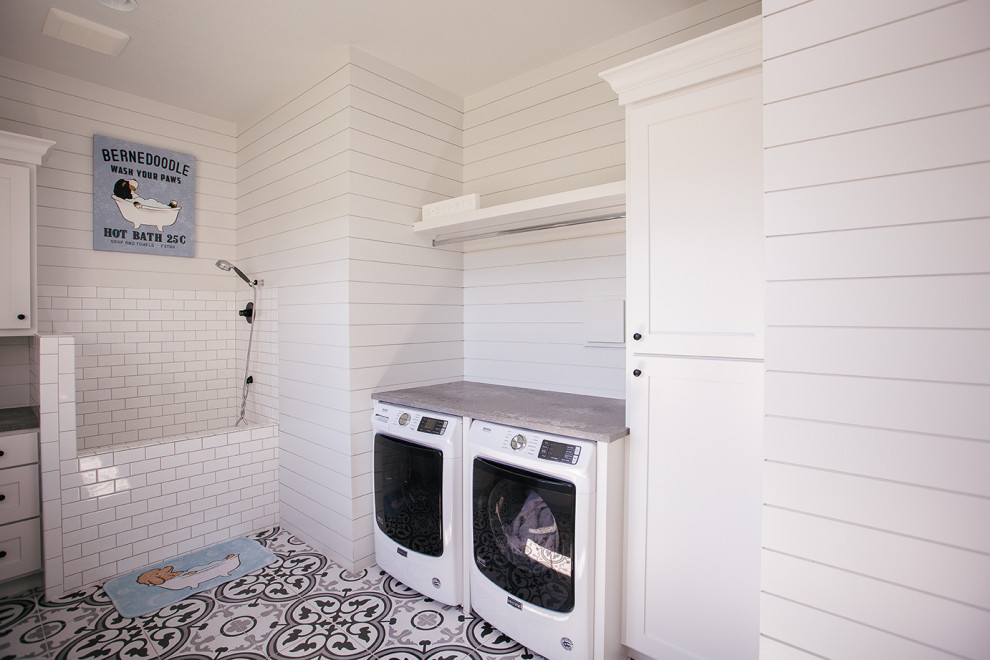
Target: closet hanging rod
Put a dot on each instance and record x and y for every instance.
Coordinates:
(437, 242)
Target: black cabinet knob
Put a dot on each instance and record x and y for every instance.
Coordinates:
(3, 553)
(2, 497)
(637, 336)
(637, 373)
(1, 452)
(21, 317)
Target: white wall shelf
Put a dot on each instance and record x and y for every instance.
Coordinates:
(600, 201)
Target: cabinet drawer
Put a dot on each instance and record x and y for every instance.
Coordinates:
(20, 548)
(18, 449)
(19, 493)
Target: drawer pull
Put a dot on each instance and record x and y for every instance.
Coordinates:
(1, 452)
(2, 497)
(3, 553)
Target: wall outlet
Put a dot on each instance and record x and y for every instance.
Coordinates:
(470, 202)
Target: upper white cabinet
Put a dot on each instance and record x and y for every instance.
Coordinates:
(694, 404)
(19, 155)
(694, 200)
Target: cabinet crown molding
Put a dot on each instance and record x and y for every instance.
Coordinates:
(721, 53)
(23, 148)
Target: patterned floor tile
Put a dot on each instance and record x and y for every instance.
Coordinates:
(21, 631)
(301, 607)
(85, 624)
(422, 628)
(240, 617)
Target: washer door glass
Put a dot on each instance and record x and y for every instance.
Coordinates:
(409, 494)
(524, 533)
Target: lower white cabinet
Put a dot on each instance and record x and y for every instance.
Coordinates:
(20, 505)
(694, 508)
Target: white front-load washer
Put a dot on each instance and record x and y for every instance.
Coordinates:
(533, 511)
(418, 499)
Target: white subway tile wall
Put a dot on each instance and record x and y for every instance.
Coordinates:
(116, 508)
(15, 376)
(123, 508)
(154, 363)
(51, 357)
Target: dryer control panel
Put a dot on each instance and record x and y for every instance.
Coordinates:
(432, 425)
(422, 426)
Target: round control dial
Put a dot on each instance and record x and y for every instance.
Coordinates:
(518, 442)
(403, 419)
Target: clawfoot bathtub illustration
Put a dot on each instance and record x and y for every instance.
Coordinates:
(168, 578)
(140, 211)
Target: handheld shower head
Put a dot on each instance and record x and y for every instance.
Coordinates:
(223, 264)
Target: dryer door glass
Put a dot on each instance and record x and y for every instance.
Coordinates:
(409, 493)
(524, 533)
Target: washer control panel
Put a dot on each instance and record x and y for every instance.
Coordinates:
(561, 452)
(545, 449)
(558, 456)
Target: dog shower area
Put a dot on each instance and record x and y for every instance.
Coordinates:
(144, 452)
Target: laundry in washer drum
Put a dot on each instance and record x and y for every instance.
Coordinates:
(523, 525)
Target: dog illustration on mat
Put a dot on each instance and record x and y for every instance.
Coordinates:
(168, 578)
(140, 211)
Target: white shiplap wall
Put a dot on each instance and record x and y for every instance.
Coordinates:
(553, 129)
(329, 183)
(524, 309)
(292, 232)
(559, 127)
(877, 164)
(43, 104)
(144, 288)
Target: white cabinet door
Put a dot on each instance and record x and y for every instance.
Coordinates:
(694, 508)
(694, 405)
(15, 245)
(695, 221)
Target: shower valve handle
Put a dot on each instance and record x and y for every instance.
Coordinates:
(247, 312)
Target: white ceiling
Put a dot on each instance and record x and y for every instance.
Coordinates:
(224, 58)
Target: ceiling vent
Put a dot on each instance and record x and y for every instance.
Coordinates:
(85, 33)
(120, 5)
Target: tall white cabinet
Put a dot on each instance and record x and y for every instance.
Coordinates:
(695, 346)
(19, 155)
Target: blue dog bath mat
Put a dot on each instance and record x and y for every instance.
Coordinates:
(151, 588)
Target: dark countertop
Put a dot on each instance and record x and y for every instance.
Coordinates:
(18, 419)
(573, 415)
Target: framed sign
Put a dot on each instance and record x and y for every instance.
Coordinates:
(143, 199)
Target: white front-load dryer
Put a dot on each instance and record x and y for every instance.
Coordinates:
(418, 500)
(533, 511)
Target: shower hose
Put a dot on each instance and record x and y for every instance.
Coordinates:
(247, 359)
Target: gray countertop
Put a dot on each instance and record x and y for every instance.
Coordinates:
(18, 419)
(574, 415)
